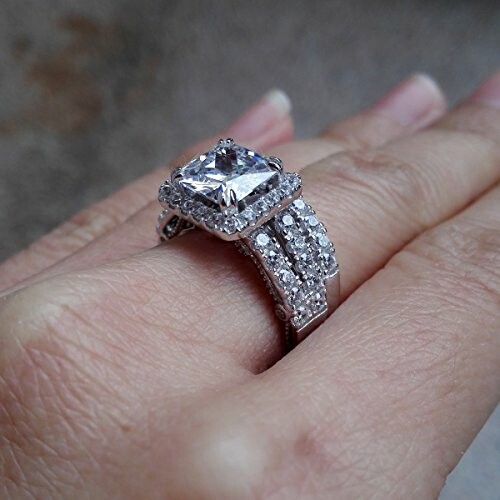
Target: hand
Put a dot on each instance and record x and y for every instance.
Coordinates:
(135, 372)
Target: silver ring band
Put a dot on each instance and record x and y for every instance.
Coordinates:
(221, 192)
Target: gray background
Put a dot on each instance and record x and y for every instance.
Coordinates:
(95, 93)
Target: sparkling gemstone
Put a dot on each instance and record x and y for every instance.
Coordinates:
(199, 210)
(249, 215)
(286, 188)
(312, 220)
(287, 220)
(175, 199)
(230, 225)
(295, 181)
(323, 240)
(299, 204)
(240, 222)
(227, 174)
(187, 206)
(286, 276)
(296, 244)
(209, 219)
(273, 197)
(165, 192)
(262, 239)
(219, 220)
(261, 207)
(271, 255)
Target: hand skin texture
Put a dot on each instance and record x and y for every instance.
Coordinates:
(135, 370)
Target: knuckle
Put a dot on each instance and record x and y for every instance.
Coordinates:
(233, 456)
(385, 181)
(94, 221)
(362, 131)
(33, 409)
(474, 121)
(226, 457)
(47, 397)
(467, 252)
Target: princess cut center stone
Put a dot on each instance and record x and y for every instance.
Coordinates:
(228, 174)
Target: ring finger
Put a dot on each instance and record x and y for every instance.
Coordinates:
(373, 203)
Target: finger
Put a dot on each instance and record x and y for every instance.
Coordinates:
(373, 203)
(379, 402)
(377, 200)
(412, 105)
(382, 122)
(265, 124)
(384, 398)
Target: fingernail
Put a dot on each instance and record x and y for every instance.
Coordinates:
(261, 116)
(414, 100)
(489, 92)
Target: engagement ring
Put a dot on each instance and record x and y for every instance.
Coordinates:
(238, 195)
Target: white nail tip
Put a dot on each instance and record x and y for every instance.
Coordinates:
(280, 100)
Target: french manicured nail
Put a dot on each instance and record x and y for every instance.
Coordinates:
(489, 92)
(415, 100)
(261, 116)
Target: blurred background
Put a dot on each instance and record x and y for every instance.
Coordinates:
(93, 94)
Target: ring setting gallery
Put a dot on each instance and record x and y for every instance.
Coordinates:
(239, 195)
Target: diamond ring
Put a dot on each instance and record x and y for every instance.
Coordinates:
(241, 196)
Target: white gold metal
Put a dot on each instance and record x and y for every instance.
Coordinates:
(238, 195)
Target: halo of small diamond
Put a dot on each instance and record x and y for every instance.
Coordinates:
(173, 197)
(276, 228)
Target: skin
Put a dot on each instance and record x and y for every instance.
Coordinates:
(123, 376)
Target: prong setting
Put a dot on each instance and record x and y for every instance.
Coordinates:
(275, 163)
(226, 142)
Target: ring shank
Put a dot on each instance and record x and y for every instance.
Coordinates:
(297, 262)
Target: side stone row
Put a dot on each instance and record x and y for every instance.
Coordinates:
(300, 256)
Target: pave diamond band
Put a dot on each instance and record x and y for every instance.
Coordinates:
(297, 258)
(241, 196)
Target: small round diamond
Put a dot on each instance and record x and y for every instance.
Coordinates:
(219, 220)
(262, 239)
(230, 225)
(240, 222)
(209, 220)
(271, 254)
(249, 215)
(323, 240)
(273, 198)
(312, 220)
(299, 204)
(299, 242)
(286, 276)
(174, 199)
(199, 210)
(295, 181)
(286, 187)
(287, 220)
(187, 206)
(261, 207)
(165, 191)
